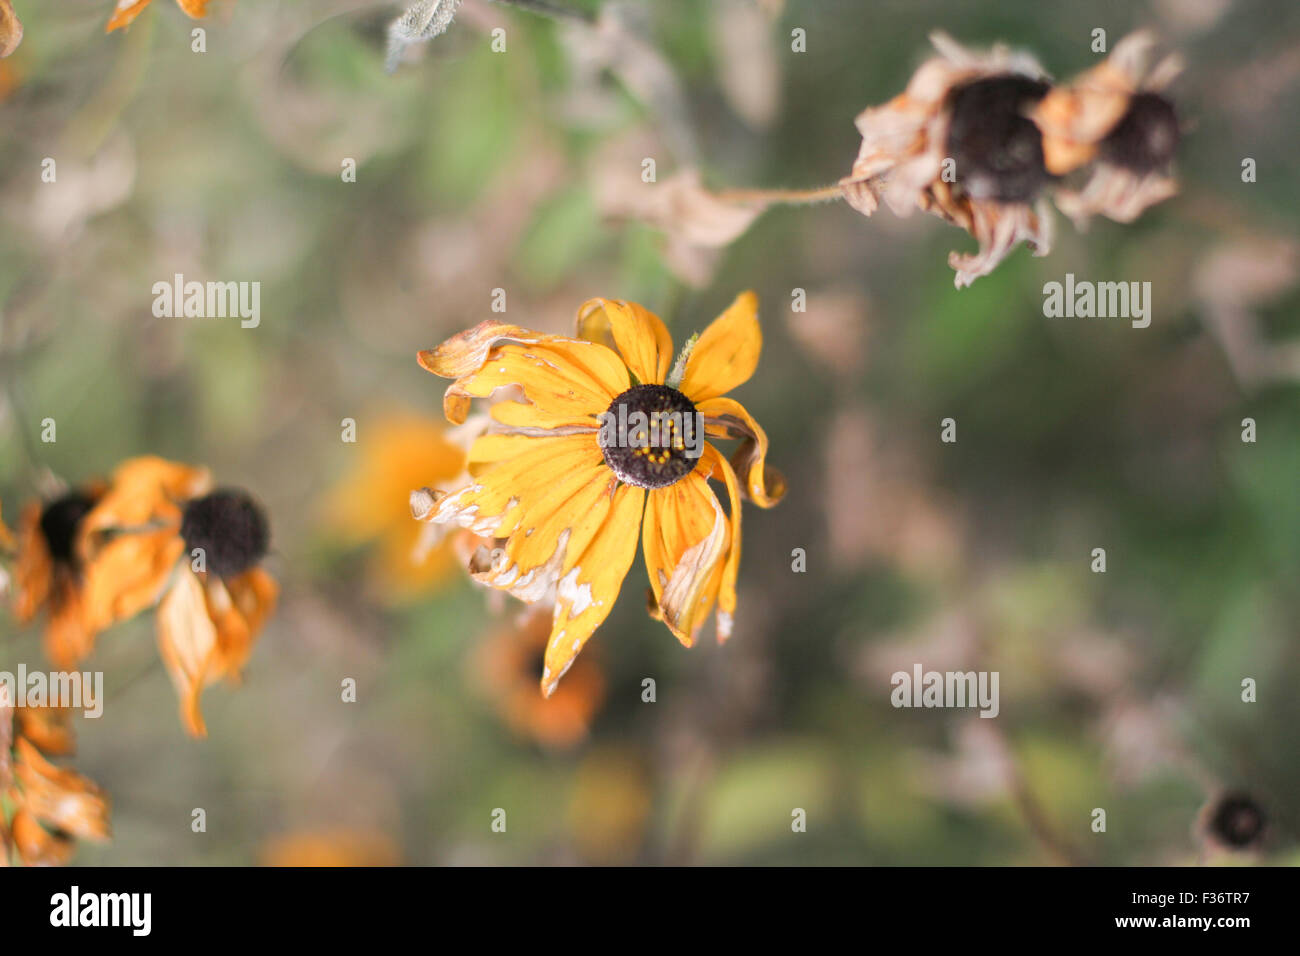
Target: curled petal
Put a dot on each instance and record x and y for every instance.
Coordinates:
(685, 537)
(59, 798)
(11, 29)
(999, 228)
(36, 845)
(128, 574)
(187, 641)
(727, 418)
(570, 380)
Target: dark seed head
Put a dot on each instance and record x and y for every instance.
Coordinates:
(230, 528)
(1236, 820)
(651, 436)
(997, 150)
(1146, 136)
(60, 521)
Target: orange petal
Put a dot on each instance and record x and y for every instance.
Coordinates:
(640, 336)
(239, 608)
(128, 574)
(727, 418)
(11, 29)
(125, 12)
(731, 570)
(685, 538)
(59, 798)
(587, 591)
(143, 491)
(33, 569)
(727, 352)
(187, 641)
(36, 845)
(195, 9)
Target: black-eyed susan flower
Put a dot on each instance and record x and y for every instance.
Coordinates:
(507, 665)
(49, 572)
(49, 808)
(602, 444)
(396, 452)
(127, 10)
(1115, 124)
(161, 534)
(957, 143)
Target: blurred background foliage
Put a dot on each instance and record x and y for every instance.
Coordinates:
(479, 170)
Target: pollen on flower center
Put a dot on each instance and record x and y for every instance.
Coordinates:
(230, 528)
(651, 436)
(997, 150)
(1145, 138)
(59, 522)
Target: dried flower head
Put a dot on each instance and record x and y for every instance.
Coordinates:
(50, 573)
(566, 475)
(957, 144)
(1115, 125)
(1233, 821)
(161, 534)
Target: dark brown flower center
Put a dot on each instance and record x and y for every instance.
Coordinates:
(1146, 136)
(230, 529)
(60, 521)
(1237, 820)
(997, 150)
(651, 436)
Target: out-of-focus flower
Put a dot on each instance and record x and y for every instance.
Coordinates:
(49, 573)
(565, 477)
(956, 143)
(395, 454)
(1115, 120)
(508, 664)
(160, 531)
(340, 846)
(11, 29)
(49, 808)
(1233, 822)
(127, 10)
(610, 807)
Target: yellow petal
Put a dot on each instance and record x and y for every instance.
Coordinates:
(566, 378)
(586, 593)
(685, 539)
(727, 352)
(640, 336)
(727, 418)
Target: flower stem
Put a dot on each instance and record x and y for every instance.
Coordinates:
(788, 197)
(545, 9)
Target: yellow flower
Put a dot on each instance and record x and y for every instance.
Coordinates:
(396, 453)
(598, 439)
(161, 534)
(128, 10)
(50, 807)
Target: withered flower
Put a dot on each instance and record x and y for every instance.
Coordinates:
(50, 808)
(1116, 127)
(162, 532)
(50, 573)
(957, 144)
(1233, 821)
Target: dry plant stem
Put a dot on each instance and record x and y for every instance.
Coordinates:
(542, 8)
(783, 197)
